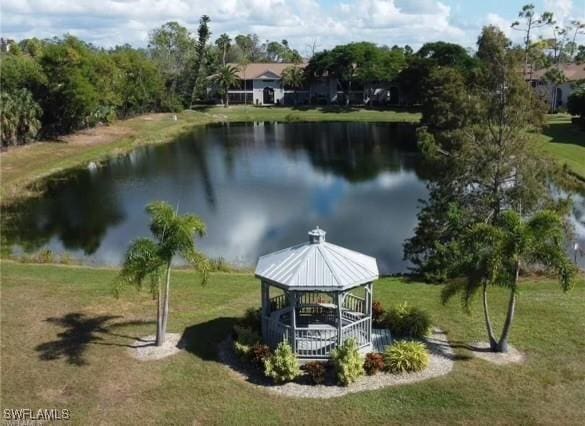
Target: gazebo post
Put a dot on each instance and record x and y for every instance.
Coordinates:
(339, 316)
(265, 303)
(370, 298)
(293, 319)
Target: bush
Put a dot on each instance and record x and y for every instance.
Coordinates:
(377, 313)
(259, 353)
(283, 366)
(241, 350)
(252, 319)
(316, 371)
(349, 364)
(406, 356)
(374, 362)
(576, 102)
(407, 321)
(246, 336)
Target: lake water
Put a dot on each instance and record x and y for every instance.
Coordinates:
(259, 187)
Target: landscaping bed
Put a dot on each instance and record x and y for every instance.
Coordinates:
(441, 362)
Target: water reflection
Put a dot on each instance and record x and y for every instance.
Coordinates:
(259, 187)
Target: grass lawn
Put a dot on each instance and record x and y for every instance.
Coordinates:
(565, 142)
(26, 166)
(64, 343)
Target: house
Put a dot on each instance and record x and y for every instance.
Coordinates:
(557, 93)
(5, 44)
(261, 84)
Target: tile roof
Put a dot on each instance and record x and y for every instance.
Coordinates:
(258, 69)
(573, 72)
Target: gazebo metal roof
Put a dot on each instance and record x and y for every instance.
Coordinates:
(317, 265)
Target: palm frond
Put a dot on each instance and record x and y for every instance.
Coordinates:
(142, 260)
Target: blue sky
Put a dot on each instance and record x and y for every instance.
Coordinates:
(302, 22)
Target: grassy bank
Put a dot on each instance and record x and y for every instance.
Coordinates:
(24, 167)
(565, 142)
(64, 343)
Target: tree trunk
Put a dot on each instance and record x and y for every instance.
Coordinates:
(488, 321)
(160, 331)
(503, 343)
(165, 307)
(226, 99)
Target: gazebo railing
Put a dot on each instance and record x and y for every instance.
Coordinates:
(278, 302)
(354, 303)
(315, 342)
(315, 313)
(359, 330)
(276, 332)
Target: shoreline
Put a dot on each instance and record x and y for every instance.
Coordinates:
(26, 169)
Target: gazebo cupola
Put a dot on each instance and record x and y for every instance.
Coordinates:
(316, 295)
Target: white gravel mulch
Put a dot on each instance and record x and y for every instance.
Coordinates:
(482, 350)
(441, 363)
(144, 349)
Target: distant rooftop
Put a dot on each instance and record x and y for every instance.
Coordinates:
(572, 72)
(263, 70)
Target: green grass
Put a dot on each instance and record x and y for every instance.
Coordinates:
(192, 387)
(565, 142)
(24, 169)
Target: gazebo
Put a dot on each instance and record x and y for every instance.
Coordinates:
(316, 295)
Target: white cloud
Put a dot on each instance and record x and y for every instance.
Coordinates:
(111, 22)
(302, 22)
(562, 9)
(502, 23)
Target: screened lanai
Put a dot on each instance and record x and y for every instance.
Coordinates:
(316, 295)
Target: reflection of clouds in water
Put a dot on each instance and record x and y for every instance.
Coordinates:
(260, 188)
(578, 222)
(389, 180)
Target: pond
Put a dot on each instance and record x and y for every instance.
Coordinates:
(259, 187)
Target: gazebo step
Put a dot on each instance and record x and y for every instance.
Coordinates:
(381, 337)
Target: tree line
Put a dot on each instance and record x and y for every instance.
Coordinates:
(56, 86)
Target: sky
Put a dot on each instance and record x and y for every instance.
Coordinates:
(304, 23)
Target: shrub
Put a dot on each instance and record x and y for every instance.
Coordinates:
(406, 356)
(374, 362)
(246, 336)
(576, 102)
(349, 364)
(252, 319)
(259, 353)
(407, 321)
(241, 350)
(316, 371)
(377, 313)
(283, 366)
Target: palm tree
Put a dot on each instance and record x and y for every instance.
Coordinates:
(151, 260)
(8, 118)
(293, 76)
(223, 43)
(496, 254)
(226, 77)
(19, 117)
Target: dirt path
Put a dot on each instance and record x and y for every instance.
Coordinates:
(22, 166)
